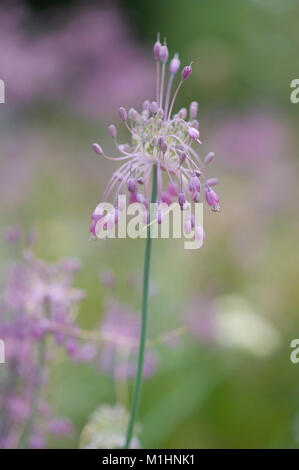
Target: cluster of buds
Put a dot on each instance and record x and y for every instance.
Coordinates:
(160, 142)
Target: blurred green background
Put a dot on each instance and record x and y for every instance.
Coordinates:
(245, 54)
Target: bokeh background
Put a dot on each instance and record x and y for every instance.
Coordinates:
(226, 381)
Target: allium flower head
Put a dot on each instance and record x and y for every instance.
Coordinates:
(160, 141)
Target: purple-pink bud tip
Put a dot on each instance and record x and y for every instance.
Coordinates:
(163, 54)
(123, 113)
(193, 133)
(112, 130)
(186, 72)
(156, 48)
(193, 109)
(209, 157)
(97, 149)
(212, 181)
(175, 64)
(212, 198)
(154, 107)
(131, 185)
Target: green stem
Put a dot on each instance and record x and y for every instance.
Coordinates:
(146, 272)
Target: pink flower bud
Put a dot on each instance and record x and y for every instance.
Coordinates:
(182, 158)
(175, 64)
(133, 115)
(131, 185)
(97, 149)
(156, 49)
(212, 181)
(194, 184)
(212, 199)
(112, 130)
(163, 54)
(193, 133)
(181, 200)
(193, 110)
(183, 113)
(186, 72)
(154, 107)
(209, 157)
(159, 216)
(122, 113)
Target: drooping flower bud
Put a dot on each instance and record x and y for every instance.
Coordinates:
(181, 200)
(193, 133)
(123, 113)
(212, 199)
(163, 54)
(112, 130)
(159, 216)
(194, 184)
(131, 185)
(186, 72)
(209, 157)
(156, 49)
(212, 181)
(193, 110)
(97, 149)
(175, 64)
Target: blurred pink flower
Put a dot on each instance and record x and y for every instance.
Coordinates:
(74, 61)
(120, 331)
(252, 139)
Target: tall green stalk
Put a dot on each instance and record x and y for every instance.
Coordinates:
(144, 310)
